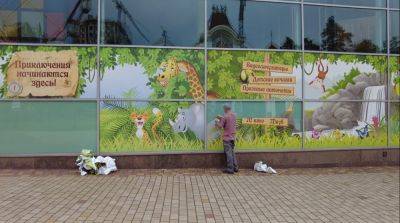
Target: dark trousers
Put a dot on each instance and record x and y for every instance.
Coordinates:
(231, 162)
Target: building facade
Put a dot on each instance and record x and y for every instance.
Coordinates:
(150, 76)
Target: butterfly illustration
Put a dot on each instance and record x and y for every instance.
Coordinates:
(315, 134)
(337, 134)
(363, 132)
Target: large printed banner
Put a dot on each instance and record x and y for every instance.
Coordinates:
(394, 78)
(254, 75)
(340, 76)
(394, 124)
(142, 73)
(127, 126)
(47, 72)
(260, 125)
(345, 124)
(40, 74)
(350, 94)
(340, 123)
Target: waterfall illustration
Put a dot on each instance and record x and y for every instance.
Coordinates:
(370, 109)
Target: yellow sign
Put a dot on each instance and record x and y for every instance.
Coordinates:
(263, 89)
(272, 80)
(258, 66)
(43, 74)
(32, 4)
(266, 121)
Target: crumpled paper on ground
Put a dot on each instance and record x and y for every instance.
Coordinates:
(107, 165)
(87, 163)
(263, 167)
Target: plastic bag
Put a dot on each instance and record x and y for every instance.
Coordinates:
(263, 167)
(88, 164)
(85, 162)
(107, 165)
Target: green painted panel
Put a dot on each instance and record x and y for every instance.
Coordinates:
(47, 127)
(258, 137)
(394, 125)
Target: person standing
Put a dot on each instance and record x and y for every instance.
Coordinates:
(228, 124)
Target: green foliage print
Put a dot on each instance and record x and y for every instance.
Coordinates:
(394, 83)
(376, 139)
(224, 68)
(394, 64)
(379, 63)
(257, 137)
(86, 67)
(150, 60)
(394, 125)
(342, 84)
(117, 130)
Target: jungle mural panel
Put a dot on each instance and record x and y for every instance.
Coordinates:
(394, 80)
(48, 72)
(144, 73)
(345, 124)
(132, 126)
(394, 125)
(260, 125)
(254, 75)
(344, 77)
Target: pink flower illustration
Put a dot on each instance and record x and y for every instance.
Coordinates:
(315, 134)
(375, 121)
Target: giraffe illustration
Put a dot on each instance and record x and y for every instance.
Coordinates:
(169, 69)
(172, 67)
(157, 122)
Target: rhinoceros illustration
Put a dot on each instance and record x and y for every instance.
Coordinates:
(191, 118)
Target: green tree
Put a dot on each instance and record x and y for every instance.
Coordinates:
(310, 45)
(395, 45)
(366, 46)
(288, 43)
(334, 37)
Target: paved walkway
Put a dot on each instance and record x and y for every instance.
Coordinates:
(297, 195)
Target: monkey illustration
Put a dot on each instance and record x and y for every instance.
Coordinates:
(319, 79)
